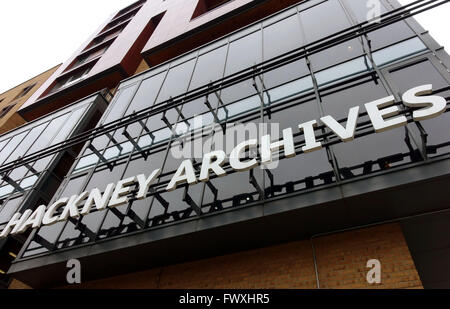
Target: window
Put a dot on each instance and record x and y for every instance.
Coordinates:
(106, 37)
(204, 6)
(130, 8)
(24, 91)
(97, 52)
(75, 77)
(5, 110)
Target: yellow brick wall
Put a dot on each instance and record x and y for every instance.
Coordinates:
(341, 260)
(142, 67)
(17, 285)
(12, 119)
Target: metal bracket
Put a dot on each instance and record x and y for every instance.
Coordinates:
(12, 183)
(116, 143)
(102, 158)
(255, 184)
(162, 201)
(83, 228)
(45, 243)
(188, 199)
(133, 142)
(28, 166)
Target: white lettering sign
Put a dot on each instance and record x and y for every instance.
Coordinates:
(383, 114)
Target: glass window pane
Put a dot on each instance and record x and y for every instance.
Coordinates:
(210, 67)
(6, 190)
(382, 37)
(50, 131)
(15, 141)
(244, 52)
(120, 103)
(288, 90)
(286, 73)
(239, 108)
(9, 209)
(282, 36)
(28, 182)
(424, 73)
(177, 80)
(336, 54)
(146, 95)
(87, 161)
(69, 125)
(323, 19)
(342, 71)
(398, 51)
(24, 145)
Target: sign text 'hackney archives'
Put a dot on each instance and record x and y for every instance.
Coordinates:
(383, 113)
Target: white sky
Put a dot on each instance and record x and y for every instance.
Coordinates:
(54, 29)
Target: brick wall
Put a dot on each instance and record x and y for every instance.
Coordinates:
(341, 260)
(142, 67)
(12, 119)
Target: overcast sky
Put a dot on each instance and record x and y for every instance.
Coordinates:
(39, 34)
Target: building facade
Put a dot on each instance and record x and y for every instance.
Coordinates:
(248, 144)
(12, 100)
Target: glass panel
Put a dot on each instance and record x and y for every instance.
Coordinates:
(288, 90)
(86, 161)
(239, 108)
(281, 37)
(336, 54)
(117, 108)
(293, 115)
(28, 182)
(9, 209)
(297, 169)
(421, 74)
(3, 143)
(323, 19)
(146, 95)
(286, 73)
(50, 131)
(69, 125)
(16, 140)
(398, 51)
(210, 67)
(342, 71)
(244, 52)
(371, 150)
(22, 148)
(177, 81)
(382, 37)
(6, 190)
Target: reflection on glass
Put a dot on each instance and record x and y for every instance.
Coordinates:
(398, 51)
(86, 162)
(235, 109)
(342, 71)
(289, 89)
(111, 153)
(5, 190)
(4, 154)
(161, 135)
(28, 182)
